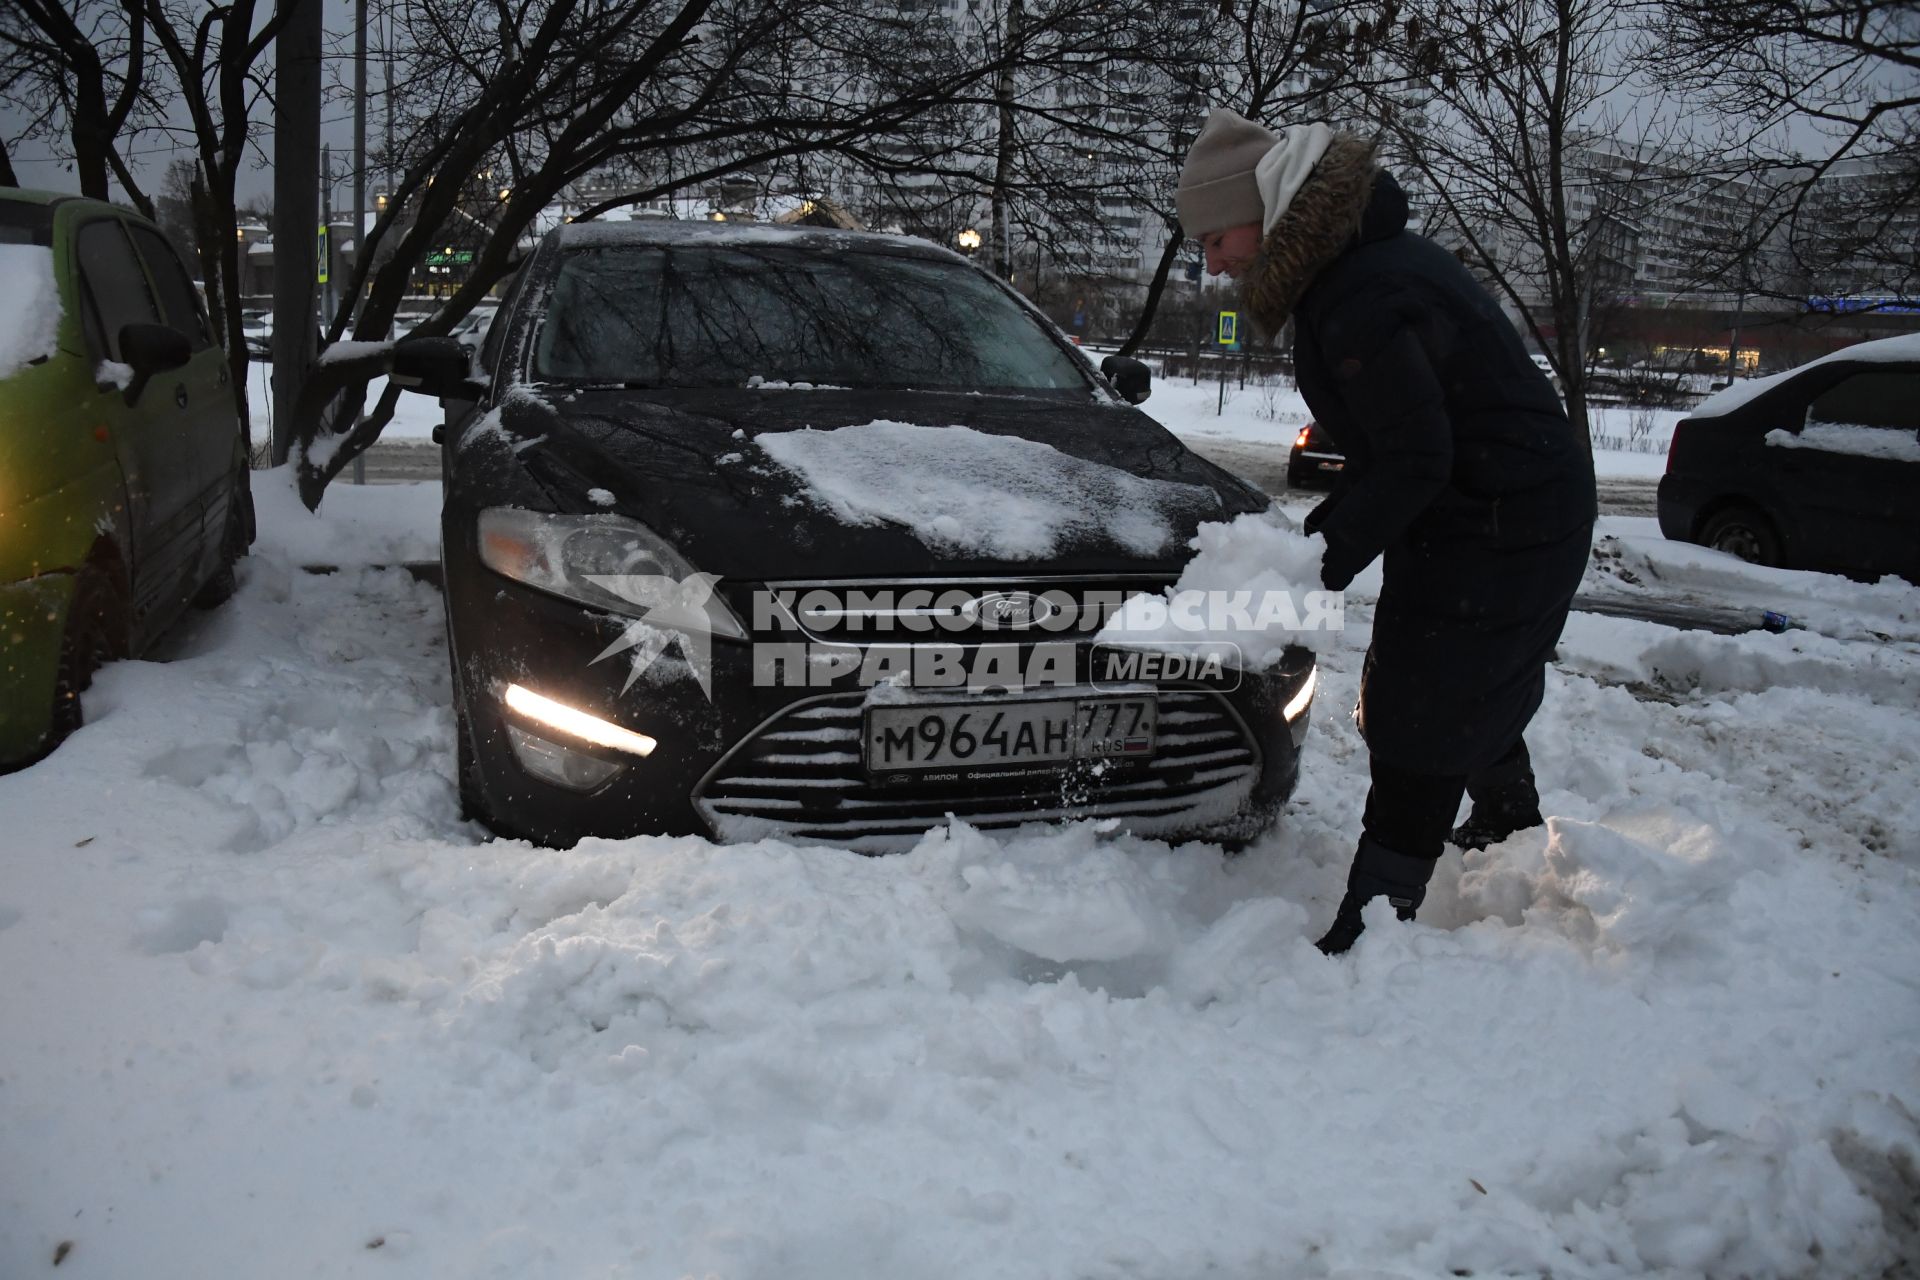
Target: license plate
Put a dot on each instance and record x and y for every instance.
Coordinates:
(983, 734)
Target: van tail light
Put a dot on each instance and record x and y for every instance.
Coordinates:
(1306, 435)
(1672, 441)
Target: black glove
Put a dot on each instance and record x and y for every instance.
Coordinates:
(1334, 575)
(1318, 516)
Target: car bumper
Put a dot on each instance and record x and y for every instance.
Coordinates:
(764, 760)
(33, 616)
(1678, 506)
(1311, 468)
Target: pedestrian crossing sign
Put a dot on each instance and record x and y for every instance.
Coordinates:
(1229, 328)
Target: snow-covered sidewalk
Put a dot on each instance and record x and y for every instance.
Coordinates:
(273, 1009)
(1271, 413)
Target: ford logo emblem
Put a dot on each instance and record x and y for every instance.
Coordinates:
(1008, 610)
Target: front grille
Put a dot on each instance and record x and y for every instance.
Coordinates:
(800, 775)
(862, 612)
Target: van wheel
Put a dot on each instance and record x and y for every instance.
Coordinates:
(88, 645)
(1743, 532)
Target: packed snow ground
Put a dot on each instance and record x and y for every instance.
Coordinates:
(272, 1008)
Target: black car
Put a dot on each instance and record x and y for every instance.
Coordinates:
(729, 507)
(1815, 468)
(1315, 461)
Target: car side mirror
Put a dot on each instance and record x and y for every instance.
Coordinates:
(150, 349)
(438, 367)
(153, 348)
(1132, 379)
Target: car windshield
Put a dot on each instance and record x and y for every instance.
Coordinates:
(756, 315)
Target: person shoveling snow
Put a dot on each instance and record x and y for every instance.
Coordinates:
(1463, 475)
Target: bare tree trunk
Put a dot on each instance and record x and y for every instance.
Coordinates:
(296, 148)
(1001, 248)
(1168, 256)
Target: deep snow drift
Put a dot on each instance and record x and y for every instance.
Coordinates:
(273, 1009)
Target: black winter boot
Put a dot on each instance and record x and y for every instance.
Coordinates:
(1377, 872)
(1505, 800)
(1483, 828)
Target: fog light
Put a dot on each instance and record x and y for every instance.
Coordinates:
(562, 766)
(577, 723)
(1298, 703)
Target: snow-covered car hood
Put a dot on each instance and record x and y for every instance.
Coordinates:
(761, 484)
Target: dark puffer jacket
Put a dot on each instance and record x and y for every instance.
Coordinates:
(1462, 469)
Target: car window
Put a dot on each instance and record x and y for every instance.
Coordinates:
(22, 223)
(116, 287)
(177, 298)
(725, 316)
(1879, 398)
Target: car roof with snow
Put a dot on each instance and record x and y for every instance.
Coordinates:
(678, 231)
(1757, 393)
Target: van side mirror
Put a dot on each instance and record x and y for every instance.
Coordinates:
(150, 349)
(1132, 379)
(438, 367)
(153, 348)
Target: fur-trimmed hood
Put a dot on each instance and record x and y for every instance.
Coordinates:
(1323, 220)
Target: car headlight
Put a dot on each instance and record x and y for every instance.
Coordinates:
(563, 554)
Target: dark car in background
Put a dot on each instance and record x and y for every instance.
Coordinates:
(644, 397)
(1814, 468)
(1315, 461)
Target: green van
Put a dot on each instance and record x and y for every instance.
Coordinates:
(123, 471)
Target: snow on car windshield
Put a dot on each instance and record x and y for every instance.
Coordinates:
(30, 323)
(712, 316)
(1022, 498)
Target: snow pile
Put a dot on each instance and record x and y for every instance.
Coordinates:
(1251, 590)
(758, 383)
(277, 1010)
(374, 524)
(1645, 884)
(1861, 442)
(30, 322)
(1020, 499)
(1632, 560)
(1731, 397)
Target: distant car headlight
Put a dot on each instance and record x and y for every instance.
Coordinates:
(562, 554)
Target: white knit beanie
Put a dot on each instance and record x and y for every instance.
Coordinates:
(1238, 172)
(1217, 188)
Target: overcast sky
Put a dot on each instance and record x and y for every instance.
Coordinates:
(35, 166)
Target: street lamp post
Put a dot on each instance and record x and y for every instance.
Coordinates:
(968, 240)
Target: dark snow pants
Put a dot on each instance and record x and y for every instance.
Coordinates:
(1412, 813)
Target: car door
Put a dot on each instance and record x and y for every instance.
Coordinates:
(211, 427)
(1853, 470)
(161, 478)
